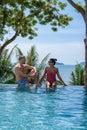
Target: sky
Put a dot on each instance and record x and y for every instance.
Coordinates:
(66, 45)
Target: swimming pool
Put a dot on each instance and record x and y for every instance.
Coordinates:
(64, 109)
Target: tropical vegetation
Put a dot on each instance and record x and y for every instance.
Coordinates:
(81, 7)
(7, 68)
(6, 72)
(32, 13)
(77, 76)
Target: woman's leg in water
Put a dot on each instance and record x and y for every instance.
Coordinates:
(50, 86)
(53, 85)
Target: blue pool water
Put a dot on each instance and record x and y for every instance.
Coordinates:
(64, 109)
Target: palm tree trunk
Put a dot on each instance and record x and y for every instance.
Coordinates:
(85, 41)
(85, 75)
(84, 14)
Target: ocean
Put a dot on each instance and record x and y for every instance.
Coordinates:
(65, 72)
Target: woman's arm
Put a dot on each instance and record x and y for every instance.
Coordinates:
(60, 78)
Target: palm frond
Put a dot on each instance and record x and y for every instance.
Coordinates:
(42, 66)
(10, 54)
(32, 56)
(82, 76)
(73, 79)
(59, 82)
(18, 52)
(5, 66)
(77, 76)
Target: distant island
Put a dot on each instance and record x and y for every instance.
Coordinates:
(57, 63)
(82, 63)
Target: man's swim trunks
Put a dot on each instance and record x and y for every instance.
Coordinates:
(22, 83)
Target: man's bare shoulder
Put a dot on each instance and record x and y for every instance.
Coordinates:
(16, 69)
(17, 65)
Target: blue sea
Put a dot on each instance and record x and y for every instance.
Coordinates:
(65, 72)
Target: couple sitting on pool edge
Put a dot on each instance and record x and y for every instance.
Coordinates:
(23, 79)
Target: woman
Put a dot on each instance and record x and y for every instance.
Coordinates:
(50, 73)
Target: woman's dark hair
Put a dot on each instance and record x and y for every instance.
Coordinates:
(53, 60)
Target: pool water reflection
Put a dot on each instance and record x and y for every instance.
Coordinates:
(64, 109)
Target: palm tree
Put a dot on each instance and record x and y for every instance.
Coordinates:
(6, 72)
(32, 56)
(32, 59)
(6, 67)
(18, 52)
(41, 66)
(77, 76)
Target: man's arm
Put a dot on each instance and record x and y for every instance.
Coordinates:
(32, 68)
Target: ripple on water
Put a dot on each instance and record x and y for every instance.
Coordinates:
(64, 109)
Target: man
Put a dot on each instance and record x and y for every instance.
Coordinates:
(22, 78)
